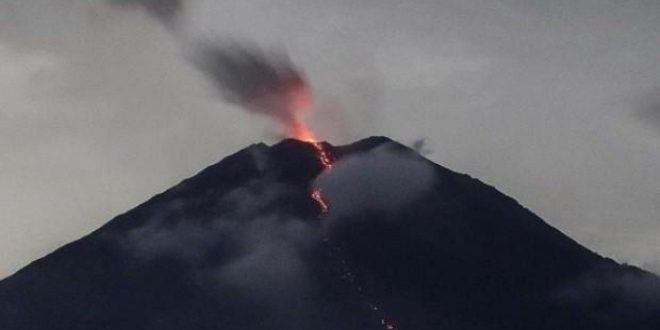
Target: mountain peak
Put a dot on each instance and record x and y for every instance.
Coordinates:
(294, 159)
(405, 243)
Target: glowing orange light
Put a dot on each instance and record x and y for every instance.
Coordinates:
(300, 97)
(324, 155)
(299, 100)
(318, 197)
(303, 133)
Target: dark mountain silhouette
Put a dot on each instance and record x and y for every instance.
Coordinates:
(242, 246)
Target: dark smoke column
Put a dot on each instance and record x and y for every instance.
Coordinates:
(267, 84)
(166, 11)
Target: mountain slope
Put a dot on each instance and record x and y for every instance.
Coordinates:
(406, 243)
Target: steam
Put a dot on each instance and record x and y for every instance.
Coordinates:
(266, 83)
(421, 147)
(262, 249)
(613, 295)
(383, 179)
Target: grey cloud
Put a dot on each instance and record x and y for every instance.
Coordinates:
(187, 239)
(262, 250)
(421, 146)
(272, 266)
(632, 294)
(649, 108)
(383, 180)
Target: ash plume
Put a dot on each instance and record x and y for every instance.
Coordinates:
(263, 83)
(421, 147)
(243, 74)
(165, 11)
(649, 108)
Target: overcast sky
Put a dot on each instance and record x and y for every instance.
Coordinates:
(553, 102)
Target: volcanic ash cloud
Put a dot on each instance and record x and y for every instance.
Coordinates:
(265, 83)
(259, 82)
(166, 11)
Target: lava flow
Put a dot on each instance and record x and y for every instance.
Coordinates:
(298, 101)
(317, 195)
(345, 273)
(303, 133)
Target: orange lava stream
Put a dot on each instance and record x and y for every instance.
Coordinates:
(325, 158)
(318, 197)
(301, 100)
(324, 155)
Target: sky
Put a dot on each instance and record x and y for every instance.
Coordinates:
(555, 103)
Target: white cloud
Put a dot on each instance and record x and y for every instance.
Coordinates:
(381, 180)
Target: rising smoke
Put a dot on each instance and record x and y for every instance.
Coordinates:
(649, 108)
(261, 82)
(166, 11)
(421, 147)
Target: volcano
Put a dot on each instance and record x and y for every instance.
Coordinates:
(398, 243)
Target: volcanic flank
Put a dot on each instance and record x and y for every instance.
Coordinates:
(390, 241)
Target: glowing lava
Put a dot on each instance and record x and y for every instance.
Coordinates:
(318, 197)
(345, 274)
(324, 155)
(326, 161)
(300, 101)
(303, 133)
